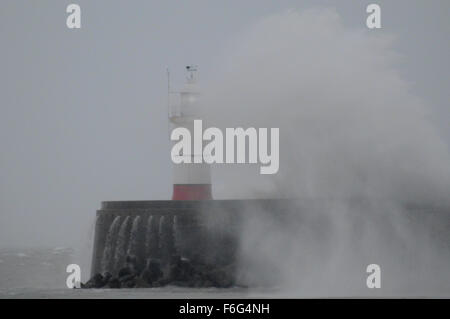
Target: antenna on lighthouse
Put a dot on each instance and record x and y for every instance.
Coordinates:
(168, 88)
(168, 100)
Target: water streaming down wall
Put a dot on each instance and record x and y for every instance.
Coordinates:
(124, 238)
(161, 229)
(152, 237)
(210, 231)
(110, 245)
(136, 246)
(121, 245)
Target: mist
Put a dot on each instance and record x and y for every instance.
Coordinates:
(84, 120)
(353, 137)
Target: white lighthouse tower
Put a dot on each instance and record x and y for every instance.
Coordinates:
(192, 181)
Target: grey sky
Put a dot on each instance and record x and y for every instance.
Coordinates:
(83, 114)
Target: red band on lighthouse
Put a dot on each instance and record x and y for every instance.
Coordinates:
(192, 192)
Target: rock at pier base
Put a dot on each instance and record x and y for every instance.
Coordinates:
(177, 271)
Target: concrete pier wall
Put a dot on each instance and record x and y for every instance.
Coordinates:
(210, 230)
(205, 230)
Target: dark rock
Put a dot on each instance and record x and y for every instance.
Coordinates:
(152, 271)
(131, 283)
(196, 281)
(161, 282)
(106, 277)
(95, 282)
(180, 270)
(126, 278)
(124, 272)
(223, 277)
(220, 279)
(113, 283)
(132, 264)
(207, 284)
(142, 283)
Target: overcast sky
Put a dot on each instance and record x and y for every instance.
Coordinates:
(83, 112)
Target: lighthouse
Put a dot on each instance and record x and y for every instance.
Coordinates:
(191, 181)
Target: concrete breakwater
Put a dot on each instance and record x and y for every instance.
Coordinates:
(198, 243)
(196, 238)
